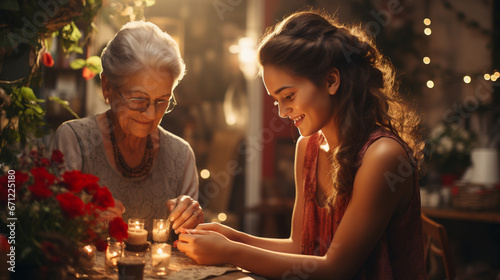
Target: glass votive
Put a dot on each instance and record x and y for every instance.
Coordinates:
(135, 223)
(86, 257)
(113, 253)
(160, 258)
(84, 261)
(131, 268)
(137, 235)
(160, 230)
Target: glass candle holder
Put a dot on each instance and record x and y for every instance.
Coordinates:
(137, 235)
(160, 258)
(135, 223)
(113, 253)
(160, 230)
(86, 257)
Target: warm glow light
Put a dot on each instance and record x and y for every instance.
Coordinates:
(497, 74)
(222, 217)
(494, 78)
(487, 77)
(427, 60)
(430, 84)
(427, 21)
(88, 248)
(160, 251)
(205, 174)
(467, 79)
(427, 31)
(234, 49)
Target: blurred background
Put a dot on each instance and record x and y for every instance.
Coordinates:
(447, 58)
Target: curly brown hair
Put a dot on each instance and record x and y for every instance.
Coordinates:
(310, 44)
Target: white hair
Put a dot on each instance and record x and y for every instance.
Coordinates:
(140, 46)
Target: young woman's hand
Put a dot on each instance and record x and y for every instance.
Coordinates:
(185, 212)
(205, 247)
(228, 232)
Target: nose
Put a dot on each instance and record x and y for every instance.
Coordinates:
(284, 111)
(150, 112)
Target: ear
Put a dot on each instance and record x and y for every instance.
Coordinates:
(333, 81)
(106, 87)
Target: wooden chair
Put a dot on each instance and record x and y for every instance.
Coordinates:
(436, 241)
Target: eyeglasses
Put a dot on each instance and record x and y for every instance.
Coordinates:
(142, 104)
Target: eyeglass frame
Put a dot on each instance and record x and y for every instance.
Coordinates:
(171, 100)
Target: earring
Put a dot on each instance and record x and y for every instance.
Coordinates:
(106, 101)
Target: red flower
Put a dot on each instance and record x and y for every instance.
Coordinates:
(76, 181)
(118, 229)
(40, 190)
(21, 178)
(101, 245)
(71, 204)
(42, 175)
(87, 73)
(47, 59)
(51, 251)
(103, 199)
(57, 156)
(45, 162)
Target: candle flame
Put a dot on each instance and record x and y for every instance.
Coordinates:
(88, 248)
(160, 251)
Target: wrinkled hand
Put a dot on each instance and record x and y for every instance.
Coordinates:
(228, 232)
(204, 247)
(185, 212)
(112, 212)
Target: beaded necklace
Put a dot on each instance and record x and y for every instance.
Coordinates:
(131, 172)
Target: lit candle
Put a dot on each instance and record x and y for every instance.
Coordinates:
(160, 233)
(160, 256)
(86, 257)
(136, 223)
(137, 236)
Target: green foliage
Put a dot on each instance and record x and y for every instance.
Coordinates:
(23, 118)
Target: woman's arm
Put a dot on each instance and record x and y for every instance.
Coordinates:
(373, 203)
(285, 245)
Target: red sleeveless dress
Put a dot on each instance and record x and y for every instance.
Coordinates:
(399, 254)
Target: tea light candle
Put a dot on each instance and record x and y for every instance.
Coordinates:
(160, 230)
(137, 236)
(113, 253)
(86, 257)
(160, 256)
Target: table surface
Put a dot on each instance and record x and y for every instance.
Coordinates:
(181, 267)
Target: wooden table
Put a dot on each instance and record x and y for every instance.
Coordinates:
(492, 216)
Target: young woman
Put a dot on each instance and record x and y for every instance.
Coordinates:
(357, 207)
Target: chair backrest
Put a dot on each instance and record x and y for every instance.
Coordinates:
(436, 241)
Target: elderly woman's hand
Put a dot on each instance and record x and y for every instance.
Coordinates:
(185, 212)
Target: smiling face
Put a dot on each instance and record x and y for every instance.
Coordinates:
(155, 86)
(307, 105)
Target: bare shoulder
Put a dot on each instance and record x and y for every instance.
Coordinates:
(384, 149)
(386, 168)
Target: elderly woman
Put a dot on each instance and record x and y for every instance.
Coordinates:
(148, 169)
